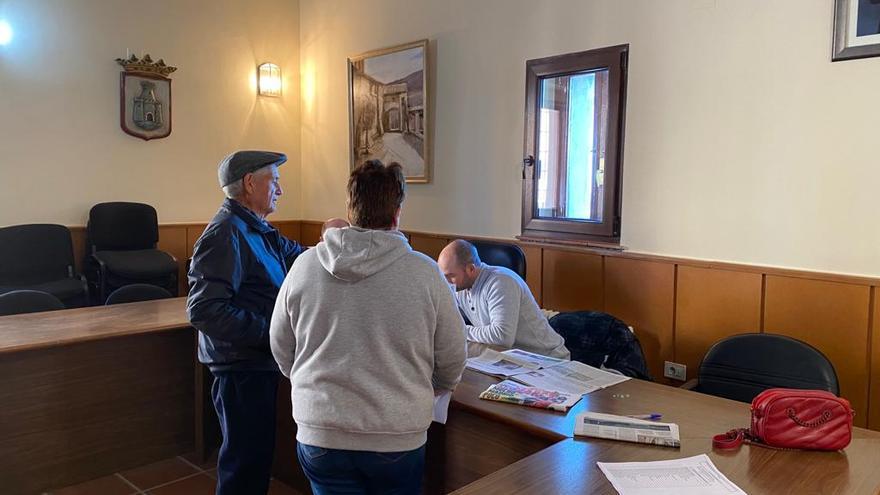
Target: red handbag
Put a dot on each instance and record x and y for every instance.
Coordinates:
(787, 418)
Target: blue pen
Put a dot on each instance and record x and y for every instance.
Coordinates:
(651, 417)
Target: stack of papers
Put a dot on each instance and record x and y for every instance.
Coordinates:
(690, 476)
(509, 363)
(569, 377)
(627, 429)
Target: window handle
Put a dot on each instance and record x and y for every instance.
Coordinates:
(528, 161)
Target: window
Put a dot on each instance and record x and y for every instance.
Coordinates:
(574, 145)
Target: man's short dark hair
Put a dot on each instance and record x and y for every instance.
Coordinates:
(465, 253)
(375, 193)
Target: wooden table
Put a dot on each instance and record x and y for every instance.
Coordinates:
(91, 391)
(568, 466)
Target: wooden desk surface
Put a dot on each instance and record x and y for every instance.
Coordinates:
(41, 330)
(569, 466)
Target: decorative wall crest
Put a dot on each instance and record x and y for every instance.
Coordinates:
(145, 97)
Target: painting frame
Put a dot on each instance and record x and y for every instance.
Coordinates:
(386, 100)
(846, 44)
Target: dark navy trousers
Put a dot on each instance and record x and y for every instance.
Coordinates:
(245, 404)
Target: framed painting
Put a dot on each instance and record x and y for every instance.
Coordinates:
(389, 109)
(856, 29)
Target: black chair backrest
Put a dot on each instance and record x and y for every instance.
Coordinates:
(137, 292)
(35, 253)
(502, 254)
(742, 366)
(28, 301)
(121, 226)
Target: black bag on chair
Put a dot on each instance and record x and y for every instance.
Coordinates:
(599, 339)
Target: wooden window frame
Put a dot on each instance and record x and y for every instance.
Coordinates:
(614, 59)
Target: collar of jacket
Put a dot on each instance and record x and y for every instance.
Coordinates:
(249, 217)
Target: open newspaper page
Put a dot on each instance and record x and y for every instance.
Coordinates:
(537, 360)
(498, 364)
(627, 429)
(515, 393)
(571, 376)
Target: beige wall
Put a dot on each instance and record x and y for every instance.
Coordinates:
(743, 142)
(61, 147)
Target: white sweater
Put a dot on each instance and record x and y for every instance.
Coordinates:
(503, 312)
(366, 329)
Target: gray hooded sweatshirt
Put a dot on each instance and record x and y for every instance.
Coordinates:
(366, 328)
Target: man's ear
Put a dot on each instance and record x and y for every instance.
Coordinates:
(247, 183)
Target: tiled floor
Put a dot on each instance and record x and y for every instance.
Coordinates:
(183, 475)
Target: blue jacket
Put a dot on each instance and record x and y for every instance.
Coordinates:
(238, 266)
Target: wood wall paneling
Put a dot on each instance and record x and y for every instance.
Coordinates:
(173, 240)
(78, 237)
(641, 293)
(291, 229)
(534, 269)
(572, 281)
(831, 316)
(310, 233)
(193, 232)
(428, 244)
(711, 305)
(874, 407)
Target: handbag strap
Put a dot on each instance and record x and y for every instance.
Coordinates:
(730, 440)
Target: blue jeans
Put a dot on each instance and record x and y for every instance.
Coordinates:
(333, 471)
(245, 404)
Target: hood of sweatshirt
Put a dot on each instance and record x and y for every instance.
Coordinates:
(353, 253)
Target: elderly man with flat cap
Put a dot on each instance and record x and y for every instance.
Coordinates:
(238, 266)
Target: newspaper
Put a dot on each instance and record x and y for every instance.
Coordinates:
(536, 360)
(501, 364)
(689, 476)
(514, 393)
(627, 429)
(571, 376)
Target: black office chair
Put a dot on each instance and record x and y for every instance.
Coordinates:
(136, 293)
(742, 366)
(40, 257)
(502, 254)
(28, 301)
(122, 250)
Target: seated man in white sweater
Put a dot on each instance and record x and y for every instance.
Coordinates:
(367, 331)
(498, 303)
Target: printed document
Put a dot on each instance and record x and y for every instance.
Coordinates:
(627, 429)
(572, 376)
(534, 361)
(441, 406)
(689, 476)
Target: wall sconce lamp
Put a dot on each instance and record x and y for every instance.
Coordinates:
(269, 80)
(5, 32)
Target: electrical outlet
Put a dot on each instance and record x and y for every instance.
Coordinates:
(675, 371)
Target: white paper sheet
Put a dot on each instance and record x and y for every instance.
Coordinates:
(441, 406)
(571, 376)
(689, 476)
(498, 364)
(536, 360)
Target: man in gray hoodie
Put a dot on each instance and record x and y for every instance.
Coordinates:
(367, 331)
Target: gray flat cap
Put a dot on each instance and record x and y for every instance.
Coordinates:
(236, 165)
